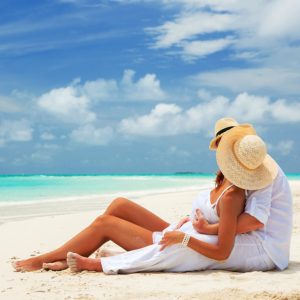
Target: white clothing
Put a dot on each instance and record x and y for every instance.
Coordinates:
(272, 206)
(248, 253)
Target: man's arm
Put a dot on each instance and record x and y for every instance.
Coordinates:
(247, 223)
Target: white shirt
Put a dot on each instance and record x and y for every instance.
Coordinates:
(272, 206)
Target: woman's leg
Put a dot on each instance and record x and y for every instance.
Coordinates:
(126, 234)
(121, 208)
(134, 213)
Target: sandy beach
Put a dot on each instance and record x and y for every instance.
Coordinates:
(36, 235)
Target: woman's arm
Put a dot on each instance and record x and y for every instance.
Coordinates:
(245, 223)
(230, 207)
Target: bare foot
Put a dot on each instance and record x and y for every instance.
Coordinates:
(27, 265)
(79, 263)
(106, 252)
(56, 266)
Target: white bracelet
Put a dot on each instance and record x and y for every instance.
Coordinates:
(186, 240)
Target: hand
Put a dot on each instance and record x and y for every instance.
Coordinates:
(171, 238)
(182, 221)
(199, 222)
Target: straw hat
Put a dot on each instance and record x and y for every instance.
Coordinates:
(221, 126)
(242, 157)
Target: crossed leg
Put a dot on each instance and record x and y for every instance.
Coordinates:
(124, 222)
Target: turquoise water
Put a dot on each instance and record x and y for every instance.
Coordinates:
(293, 176)
(16, 189)
(28, 196)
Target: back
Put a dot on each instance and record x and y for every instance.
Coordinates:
(273, 207)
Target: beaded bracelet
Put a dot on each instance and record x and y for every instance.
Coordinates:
(186, 240)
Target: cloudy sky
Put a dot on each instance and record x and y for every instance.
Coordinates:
(135, 86)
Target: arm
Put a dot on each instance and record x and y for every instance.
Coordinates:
(255, 216)
(245, 223)
(231, 205)
(182, 221)
(201, 225)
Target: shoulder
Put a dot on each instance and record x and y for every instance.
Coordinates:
(234, 192)
(234, 195)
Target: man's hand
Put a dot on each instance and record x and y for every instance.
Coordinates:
(171, 238)
(182, 221)
(200, 224)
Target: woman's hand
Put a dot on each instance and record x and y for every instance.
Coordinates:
(182, 221)
(171, 238)
(200, 224)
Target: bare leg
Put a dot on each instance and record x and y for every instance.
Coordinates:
(126, 234)
(130, 211)
(134, 213)
(121, 208)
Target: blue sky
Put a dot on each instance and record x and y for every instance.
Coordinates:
(90, 86)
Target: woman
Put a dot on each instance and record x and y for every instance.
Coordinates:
(154, 245)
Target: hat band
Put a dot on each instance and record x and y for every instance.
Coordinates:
(223, 130)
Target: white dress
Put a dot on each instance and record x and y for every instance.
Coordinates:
(248, 253)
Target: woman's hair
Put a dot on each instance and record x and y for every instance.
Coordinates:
(219, 178)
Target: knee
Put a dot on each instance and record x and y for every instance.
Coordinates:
(101, 221)
(120, 201)
(117, 205)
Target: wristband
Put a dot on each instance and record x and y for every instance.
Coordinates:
(186, 240)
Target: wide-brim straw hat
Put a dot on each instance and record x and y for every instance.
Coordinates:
(242, 158)
(221, 126)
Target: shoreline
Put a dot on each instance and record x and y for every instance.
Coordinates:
(11, 212)
(37, 235)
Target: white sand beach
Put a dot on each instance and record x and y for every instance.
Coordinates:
(32, 236)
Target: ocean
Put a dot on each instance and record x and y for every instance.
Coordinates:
(27, 196)
(24, 196)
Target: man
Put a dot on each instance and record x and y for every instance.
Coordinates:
(267, 210)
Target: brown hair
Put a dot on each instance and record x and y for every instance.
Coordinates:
(219, 178)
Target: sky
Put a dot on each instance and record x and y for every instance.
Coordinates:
(136, 86)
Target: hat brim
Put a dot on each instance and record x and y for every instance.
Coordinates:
(213, 142)
(238, 174)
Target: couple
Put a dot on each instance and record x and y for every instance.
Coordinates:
(243, 224)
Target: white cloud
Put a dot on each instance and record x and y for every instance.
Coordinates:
(161, 121)
(283, 111)
(15, 131)
(281, 19)
(73, 104)
(250, 107)
(204, 94)
(48, 136)
(272, 79)
(196, 49)
(170, 119)
(188, 25)
(90, 135)
(127, 89)
(260, 26)
(8, 105)
(100, 89)
(145, 88)
(67, 104)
